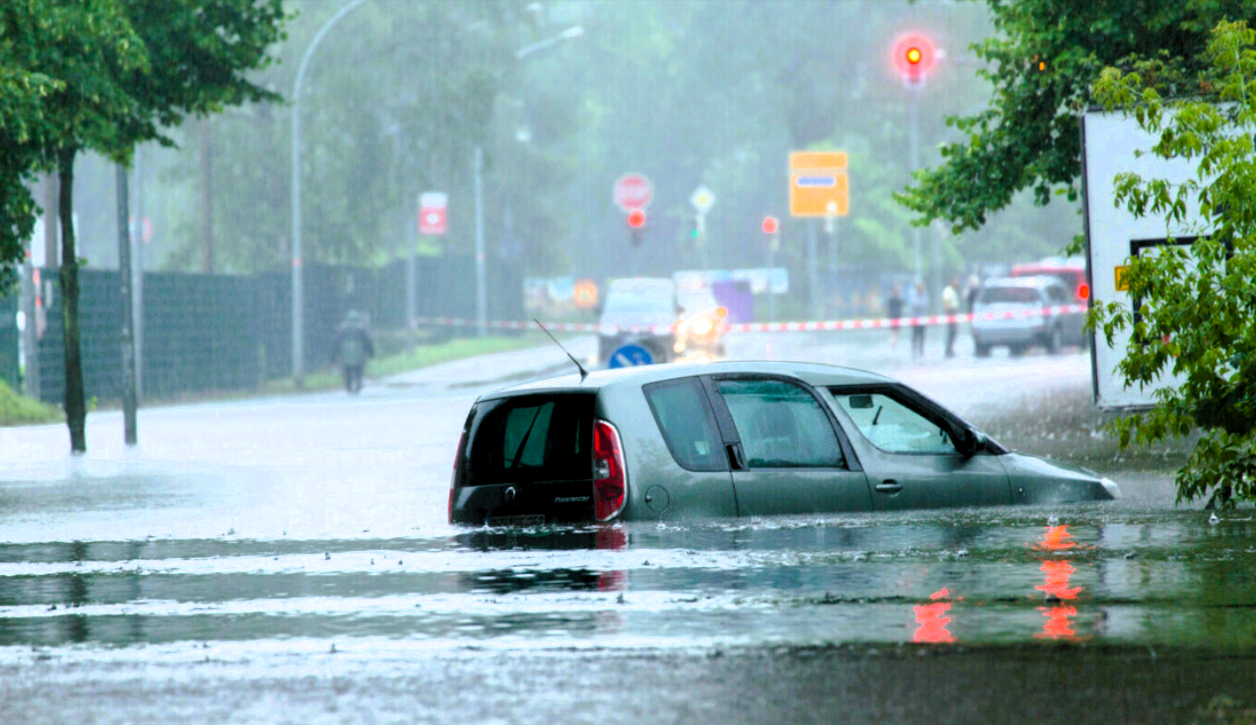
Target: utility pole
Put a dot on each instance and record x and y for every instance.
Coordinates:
(481, 276)
(128, 306)
(412, 275)
(813, 271)
(207, 198)
(137, 275)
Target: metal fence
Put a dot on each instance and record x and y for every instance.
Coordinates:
(8, 342)
(204, 332)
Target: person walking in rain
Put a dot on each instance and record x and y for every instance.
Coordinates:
(918, 307)
(950, 306)
(352, 348)
(894, 308)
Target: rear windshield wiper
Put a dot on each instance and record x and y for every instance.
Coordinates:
(514, 462)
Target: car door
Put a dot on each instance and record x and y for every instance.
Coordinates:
(787, 455)
(910, 456)
(697, 481)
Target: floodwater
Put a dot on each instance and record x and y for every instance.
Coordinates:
(247, 534)
(1098, 573)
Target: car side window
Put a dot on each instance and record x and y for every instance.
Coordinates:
(683, 414)
(781, 425)
(894, 426)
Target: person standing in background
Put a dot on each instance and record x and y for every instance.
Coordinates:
(950, 307)
(894, 308)
(918, 307)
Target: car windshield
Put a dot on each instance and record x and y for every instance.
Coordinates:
(1014, 295)
(649, 300)
(697, 300)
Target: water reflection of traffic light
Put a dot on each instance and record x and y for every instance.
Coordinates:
(933, 620)
(1055, 586)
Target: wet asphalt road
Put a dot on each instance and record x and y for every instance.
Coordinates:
(288, 560)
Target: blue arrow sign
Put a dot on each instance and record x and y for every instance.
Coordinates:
(628, 356)
(817, 181)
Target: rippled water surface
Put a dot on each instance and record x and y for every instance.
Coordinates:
(1096, 573)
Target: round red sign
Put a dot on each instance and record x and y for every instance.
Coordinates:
(633, 191)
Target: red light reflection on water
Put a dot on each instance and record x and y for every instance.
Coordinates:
(612, 538)
(1056, 538)
(1055, 586)
(1056, 574)
(933, 620)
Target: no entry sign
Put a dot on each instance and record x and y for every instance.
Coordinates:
(432, 207)
(633, 191)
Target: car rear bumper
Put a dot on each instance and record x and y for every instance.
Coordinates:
(1007, 335)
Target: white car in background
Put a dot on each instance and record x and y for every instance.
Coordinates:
(1009, 311)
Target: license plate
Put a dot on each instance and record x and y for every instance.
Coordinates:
(529, 520)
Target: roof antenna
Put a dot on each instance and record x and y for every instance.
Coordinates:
(583, 373)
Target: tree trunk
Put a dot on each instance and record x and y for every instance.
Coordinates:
(75, 408)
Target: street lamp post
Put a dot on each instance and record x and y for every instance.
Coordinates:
(298, 291)
(481, 271)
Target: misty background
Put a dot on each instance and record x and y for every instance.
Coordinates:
(399, 94)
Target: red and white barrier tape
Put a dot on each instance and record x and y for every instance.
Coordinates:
(814, 326)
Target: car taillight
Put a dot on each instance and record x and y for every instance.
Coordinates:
(610, 481)
(453, 481)
(1083, 292)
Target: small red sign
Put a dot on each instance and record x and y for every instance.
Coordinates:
(432, 206)
(633, 191)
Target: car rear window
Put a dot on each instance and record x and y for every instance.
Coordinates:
(684, 415)
(1023, 295)
(529, 439)
(1070, 278)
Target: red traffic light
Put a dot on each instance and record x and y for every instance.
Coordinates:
(636, 218)
(913, 56)
(769, 225)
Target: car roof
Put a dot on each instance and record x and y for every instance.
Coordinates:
(816, 374)
(1032, 281)
(631, 284)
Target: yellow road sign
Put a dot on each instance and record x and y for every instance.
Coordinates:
(1121, 285)
(818, 185)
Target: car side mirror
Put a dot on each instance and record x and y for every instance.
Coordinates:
(968, 441)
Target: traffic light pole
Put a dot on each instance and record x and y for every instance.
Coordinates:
(914, 143)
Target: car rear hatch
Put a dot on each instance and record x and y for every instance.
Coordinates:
(526, 461)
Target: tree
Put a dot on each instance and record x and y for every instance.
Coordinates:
(126, 69)
(1043, 61)
(1196, 313)
(85, 47)
(22, 126)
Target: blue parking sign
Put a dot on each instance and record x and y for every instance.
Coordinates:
(628, 356)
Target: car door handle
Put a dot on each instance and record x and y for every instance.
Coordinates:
(736, 458)
(889, 486)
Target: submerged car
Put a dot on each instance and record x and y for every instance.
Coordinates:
(733, 439)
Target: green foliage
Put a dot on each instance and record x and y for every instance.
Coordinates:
(1028, 138)
(1196, 314)
(19, 410)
